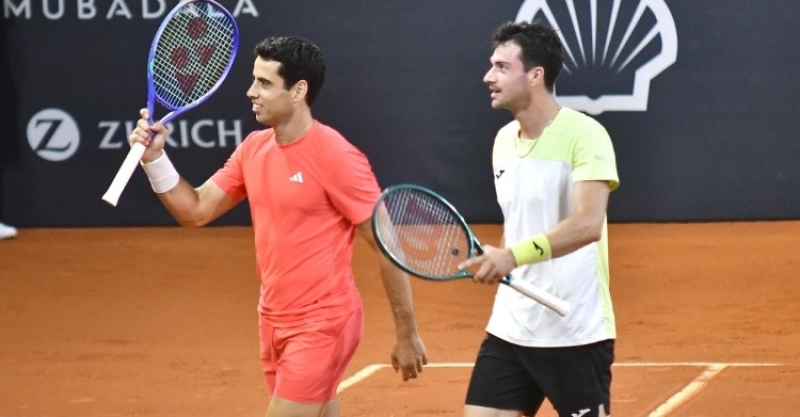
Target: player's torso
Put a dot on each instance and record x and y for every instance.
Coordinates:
(534, 189)
(283, 181)
(303, 242)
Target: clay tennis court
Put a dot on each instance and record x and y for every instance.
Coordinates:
(162, 322)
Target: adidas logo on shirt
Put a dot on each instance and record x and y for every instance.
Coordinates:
(297, 177)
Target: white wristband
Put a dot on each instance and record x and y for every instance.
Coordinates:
(162, 174)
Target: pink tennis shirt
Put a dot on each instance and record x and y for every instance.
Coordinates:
(305, 198)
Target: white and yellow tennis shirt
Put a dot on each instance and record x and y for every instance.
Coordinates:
(534, 183)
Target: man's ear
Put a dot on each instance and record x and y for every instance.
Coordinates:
(536, 75)
(299, 90)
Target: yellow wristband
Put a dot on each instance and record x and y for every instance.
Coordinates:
(533, 250)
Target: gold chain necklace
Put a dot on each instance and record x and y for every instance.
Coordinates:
(520, 144)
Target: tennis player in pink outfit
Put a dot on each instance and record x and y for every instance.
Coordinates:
(310, 192)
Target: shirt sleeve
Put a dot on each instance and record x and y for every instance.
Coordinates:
(352, 186)
(594, 159)
(230, 178)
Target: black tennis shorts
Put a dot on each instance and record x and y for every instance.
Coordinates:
(576, 379)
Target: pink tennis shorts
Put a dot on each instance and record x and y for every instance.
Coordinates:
(306, 363)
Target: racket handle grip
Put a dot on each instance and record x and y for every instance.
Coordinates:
(124, 174)
(539, 295)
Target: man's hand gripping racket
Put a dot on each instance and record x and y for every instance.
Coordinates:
(191, 54)
(423, 234)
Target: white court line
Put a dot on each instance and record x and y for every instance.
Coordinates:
(693, 364)
(687, 392)
(360, 376)
(367, 371)
(694, 387)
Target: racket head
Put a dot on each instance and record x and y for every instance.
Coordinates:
(422, 233)
(191, 54)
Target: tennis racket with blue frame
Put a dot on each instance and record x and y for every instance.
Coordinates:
(424, 235)
(191, 54)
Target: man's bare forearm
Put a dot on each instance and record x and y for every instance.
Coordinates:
(181, 203)
(196, 207)
(397, 285)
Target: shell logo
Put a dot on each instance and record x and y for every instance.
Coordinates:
(612, 49)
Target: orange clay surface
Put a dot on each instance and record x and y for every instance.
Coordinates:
(109, 322)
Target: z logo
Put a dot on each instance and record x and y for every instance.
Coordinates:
(53, 135)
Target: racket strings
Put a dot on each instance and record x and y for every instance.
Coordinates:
(192, 54)
(424, 233)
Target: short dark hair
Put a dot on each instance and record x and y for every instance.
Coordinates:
(540, 46)
(300, 59)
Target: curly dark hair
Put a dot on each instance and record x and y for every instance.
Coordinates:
(300, 59)
(540, 46)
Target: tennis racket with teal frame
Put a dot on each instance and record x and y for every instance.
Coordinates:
(424, 235)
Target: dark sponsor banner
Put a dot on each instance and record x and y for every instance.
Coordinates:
(699, 101)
